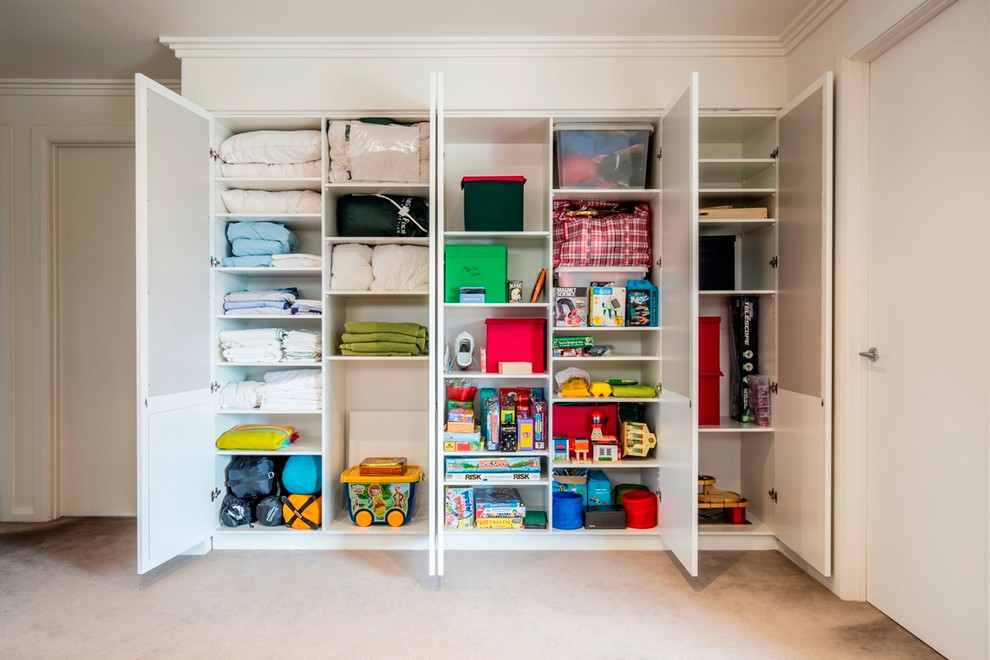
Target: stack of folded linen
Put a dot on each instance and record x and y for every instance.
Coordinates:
(296, 260)
(366, 338)
(255, 346)
(297, 389)
(307, 307)
(240, 395)
(302, 346)
(272, 302)
(253, 244)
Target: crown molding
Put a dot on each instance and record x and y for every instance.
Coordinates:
(807, 22)
(73, 87)
(462, 47)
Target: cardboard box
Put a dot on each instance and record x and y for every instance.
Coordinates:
(607, 306)
(492, 464)
(729, 213)
(642, 304)
(570, 306)
(458, 506)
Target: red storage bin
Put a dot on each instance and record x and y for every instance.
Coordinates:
(708, 336)
(575, 419)
(516, 340)
(708, 397)
(641, 509)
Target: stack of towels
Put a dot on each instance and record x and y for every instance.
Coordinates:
(366, 338)
(307, 307)
(255, 346)
(296, 260)
(295, 389)
(302, 346)
(252, 244)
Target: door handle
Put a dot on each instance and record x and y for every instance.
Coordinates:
(871, 354)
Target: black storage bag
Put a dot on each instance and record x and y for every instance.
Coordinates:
(382, 215)
(268, 510)
(251, 477)
(235, 511)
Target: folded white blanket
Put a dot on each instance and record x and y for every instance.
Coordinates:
(240, 395)
(400, 268)
(270, 146)
(309, 169)
(252, 355)
(266, 201)
(254, 334)
(292, 380)
(297, 260)
(266, 294)
(259, 311)
(350, 267)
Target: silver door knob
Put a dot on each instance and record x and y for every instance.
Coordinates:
(871, 354)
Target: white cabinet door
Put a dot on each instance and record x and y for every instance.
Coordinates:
(678, 428)
(175, 452)
(803, 406)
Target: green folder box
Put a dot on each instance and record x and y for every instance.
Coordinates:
(475, 266)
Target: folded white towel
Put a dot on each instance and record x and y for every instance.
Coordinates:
(254, 355)
(240, 395)
(239, 336)
(297, 260)
(292, 379)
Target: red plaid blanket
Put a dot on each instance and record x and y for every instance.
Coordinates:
(601, 234)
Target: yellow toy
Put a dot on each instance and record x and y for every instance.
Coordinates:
(575, 387)
(637, 439)
(600, 389)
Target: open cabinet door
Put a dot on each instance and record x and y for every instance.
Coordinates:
(678, 428)
(803, 405)
(175, 449)
(437, 140)
(435, 471)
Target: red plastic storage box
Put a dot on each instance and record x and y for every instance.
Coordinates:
(516, 340)
(708, 397)
(708, 340)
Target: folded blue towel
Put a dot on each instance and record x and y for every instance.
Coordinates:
(245, 247)
(247, 262)
(264, 231)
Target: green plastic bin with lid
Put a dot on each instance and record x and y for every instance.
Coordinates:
(493, 203)
(475, 266)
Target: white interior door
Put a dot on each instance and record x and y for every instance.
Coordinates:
(803, 405)
(175, 450)
(678, 428)
(96, 363)
(928, 396)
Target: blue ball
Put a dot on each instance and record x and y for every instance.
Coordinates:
(303, 475)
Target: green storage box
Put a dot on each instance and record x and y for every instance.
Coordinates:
(493, 203)
(475, 266)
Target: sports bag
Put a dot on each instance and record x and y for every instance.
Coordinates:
(601, 234)
(303, 474)
(302, 511)
(382, 215)
(268, 510)
(235, 511)
(251, 477)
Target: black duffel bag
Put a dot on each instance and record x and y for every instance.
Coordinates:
(382, 215)
(251, 477)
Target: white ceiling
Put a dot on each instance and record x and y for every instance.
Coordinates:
(113, 39)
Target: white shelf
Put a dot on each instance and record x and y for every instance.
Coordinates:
(375, 358)
(533, 306)
(736, 192)
(629, 463)
(727, 226)
(378, 240)
(460, 235)
(729, 425)
(267, 317)
(353, 188)
(731, 169)
(290, 220)
(270, 183)
(740, 292)
(606, 194)
(262, 411)
(585, 329)
(603, 400)
(449, 375)
(610, 358)
(377, 294)
(292, 365)
(268, 271)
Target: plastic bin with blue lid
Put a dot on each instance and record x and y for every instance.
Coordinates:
(602, 155)
(381, 499)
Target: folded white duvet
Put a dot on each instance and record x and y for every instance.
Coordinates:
(240, 395)
(400, 268)
(266, 201)
(293, 379)
(309, 169)
(376, 152)
(297, 260)
(350, 267)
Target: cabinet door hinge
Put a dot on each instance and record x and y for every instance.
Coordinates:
(214, 494)
(214, 154)
(660, 153)
(214, 262)
(773, 262)
(773, 494)
(773, 387)
(659, 262)
(214, 387)
(775, 152)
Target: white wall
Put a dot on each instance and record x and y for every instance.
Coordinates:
(29, 111)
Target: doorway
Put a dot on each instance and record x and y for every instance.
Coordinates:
(94, 305)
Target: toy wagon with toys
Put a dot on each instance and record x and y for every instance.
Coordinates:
(381, 499)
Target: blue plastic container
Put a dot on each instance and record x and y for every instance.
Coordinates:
(568, 508)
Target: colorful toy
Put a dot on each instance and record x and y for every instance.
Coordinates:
(580, 448)
(381, 499)
(605, 449)
(560, 447)
(637, 440)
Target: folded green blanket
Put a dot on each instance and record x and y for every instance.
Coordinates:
(355, 337)
(345, 351)
(633, 391)
(411, 329)
(382, 347)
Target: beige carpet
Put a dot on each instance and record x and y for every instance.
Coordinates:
(69, 589)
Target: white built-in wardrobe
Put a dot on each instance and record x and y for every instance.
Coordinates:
(776, 158)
